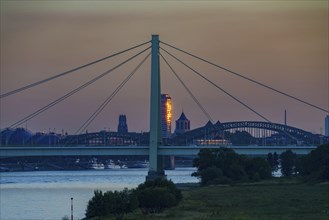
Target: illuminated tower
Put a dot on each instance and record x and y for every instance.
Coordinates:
(166, 111)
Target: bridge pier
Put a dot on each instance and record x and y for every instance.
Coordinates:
(156, 164)
(168, 162)
(172, 162)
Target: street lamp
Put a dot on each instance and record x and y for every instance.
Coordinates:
(71, 208)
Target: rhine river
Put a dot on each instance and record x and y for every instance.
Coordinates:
(46, 195)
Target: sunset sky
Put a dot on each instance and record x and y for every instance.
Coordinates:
(283, 44)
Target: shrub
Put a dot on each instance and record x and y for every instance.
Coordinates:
(119, 203)
(155, 196)
(155, 200)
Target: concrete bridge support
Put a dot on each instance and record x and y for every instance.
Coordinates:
(169, 162)
(156, 165)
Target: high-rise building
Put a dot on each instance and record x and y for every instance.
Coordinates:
(122, 126)
(166, 111)
(326, 126)
(182, 124)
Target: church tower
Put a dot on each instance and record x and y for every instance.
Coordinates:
(182, 124)
(122, 126)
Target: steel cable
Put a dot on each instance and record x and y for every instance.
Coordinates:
(39, 111)
(67, 72)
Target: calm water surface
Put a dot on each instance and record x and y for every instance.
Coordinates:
(46, 195)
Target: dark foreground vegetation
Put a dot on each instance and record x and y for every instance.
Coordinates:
(150, 197)
(237, 187)
(281, 198)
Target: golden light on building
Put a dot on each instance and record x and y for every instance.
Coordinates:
(166, 107)
(168, 113)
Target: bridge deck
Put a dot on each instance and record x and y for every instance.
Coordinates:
(22, 151)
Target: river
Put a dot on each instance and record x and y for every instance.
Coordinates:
(46, 195)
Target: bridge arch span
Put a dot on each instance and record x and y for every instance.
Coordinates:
(266, 125)
(215, 130)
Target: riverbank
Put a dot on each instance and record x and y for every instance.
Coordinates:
(272, 199)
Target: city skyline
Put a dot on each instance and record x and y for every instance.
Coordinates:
(281, 44)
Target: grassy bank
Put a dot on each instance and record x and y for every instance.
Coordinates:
(266, 200)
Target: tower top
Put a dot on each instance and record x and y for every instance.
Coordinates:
(182, 117)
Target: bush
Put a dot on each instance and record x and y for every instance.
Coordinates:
(155, 200)
(155, 196)
(119, 203)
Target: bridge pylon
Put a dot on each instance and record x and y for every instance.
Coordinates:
(156, 167)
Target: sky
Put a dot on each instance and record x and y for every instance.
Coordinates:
(283, 44)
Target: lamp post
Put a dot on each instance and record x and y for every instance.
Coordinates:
(71, 208)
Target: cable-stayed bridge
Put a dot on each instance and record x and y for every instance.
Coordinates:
(155, 146)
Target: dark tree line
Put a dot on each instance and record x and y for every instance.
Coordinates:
(224, 166)
(315, 165)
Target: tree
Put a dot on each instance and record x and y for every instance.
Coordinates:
(96, 205)
(276, 161)
(206, 158)
(288, 159)
(224, 166)
(119, 203)
(315, 165)
(155, 200)
(157, 195)
(273, 161)
(211, 175)
(257, 169)
(270, 160)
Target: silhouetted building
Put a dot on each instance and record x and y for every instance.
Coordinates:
(182, 124)
(18, 136)
(326, 126)
(41, 138)
(122, 126)
(166, 111)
